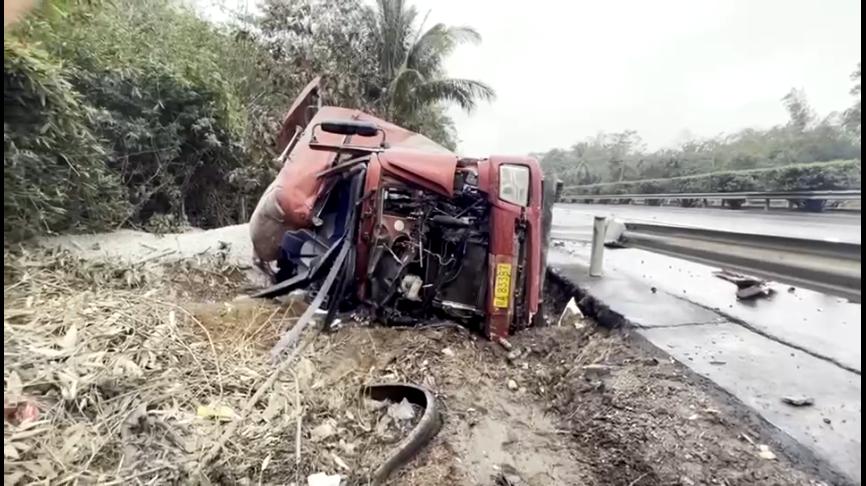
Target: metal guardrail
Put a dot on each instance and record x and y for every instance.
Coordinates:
(824, 266)
(828, 195)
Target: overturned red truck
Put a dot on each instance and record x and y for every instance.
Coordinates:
(375, 218)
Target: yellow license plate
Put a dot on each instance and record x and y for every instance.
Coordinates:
(502, 291)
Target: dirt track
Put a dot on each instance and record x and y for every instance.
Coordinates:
(592, 407)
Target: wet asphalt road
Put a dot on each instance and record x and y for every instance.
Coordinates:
(791, 344)
(574, 221)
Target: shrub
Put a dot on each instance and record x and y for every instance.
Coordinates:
(55, 175)
(141, 118)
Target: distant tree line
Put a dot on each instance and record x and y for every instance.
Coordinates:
(805, 138)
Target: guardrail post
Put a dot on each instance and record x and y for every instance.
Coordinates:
(599, 225)
(766, 204)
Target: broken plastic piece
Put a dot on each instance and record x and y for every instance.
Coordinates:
(571, 315)
(324, 479)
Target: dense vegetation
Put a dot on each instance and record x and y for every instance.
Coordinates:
(140, 113)
(815, 176)
(619, 157)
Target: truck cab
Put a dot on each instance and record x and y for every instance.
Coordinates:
(386, 222)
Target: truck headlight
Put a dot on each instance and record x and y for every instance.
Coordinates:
(514, 184)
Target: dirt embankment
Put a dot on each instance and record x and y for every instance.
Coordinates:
(126, 375)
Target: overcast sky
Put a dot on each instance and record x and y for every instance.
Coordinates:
(564, 70)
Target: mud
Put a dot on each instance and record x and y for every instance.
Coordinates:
(591, 408)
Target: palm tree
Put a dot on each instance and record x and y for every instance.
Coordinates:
(410, 63)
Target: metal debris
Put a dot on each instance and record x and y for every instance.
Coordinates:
(427, 427)
(799, 401)
(747, 287)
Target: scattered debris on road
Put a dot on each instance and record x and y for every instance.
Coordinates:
(799, 401)
(747, 287)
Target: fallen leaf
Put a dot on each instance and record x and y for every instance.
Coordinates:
(70, 339)
(276, 404)
(219, 412)
(14, 387)
(323, 431)
(10, 452)
(339, 462)
(72, 442)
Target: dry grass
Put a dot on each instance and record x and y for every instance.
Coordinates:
(118, 368)
(138, 371)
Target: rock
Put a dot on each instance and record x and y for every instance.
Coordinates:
(448, 352)
(512, 385)
(764, 452)
(799, 401)
(512, 356)
(686, 481)
(504, 479)
(323, 479)
(717, 362)
(653, 289)
(827, 421)
(401, 411)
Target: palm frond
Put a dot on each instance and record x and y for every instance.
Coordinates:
(464, 92)
(437, 43)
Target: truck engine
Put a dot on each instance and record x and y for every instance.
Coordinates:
(430, 252)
